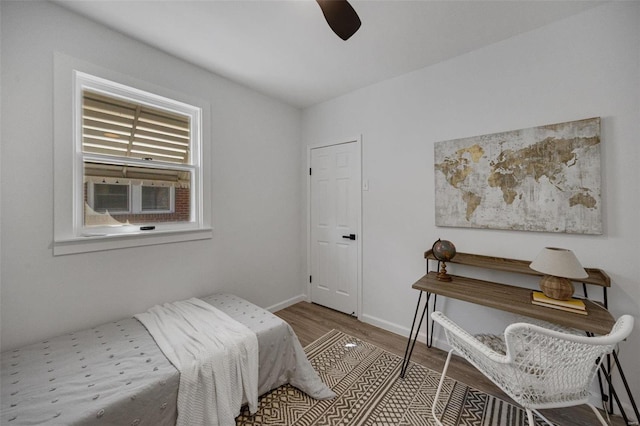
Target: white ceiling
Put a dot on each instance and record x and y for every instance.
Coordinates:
(285, 48)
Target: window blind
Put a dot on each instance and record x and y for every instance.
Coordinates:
(116, 127)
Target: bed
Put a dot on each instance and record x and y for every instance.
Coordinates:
(115, 374)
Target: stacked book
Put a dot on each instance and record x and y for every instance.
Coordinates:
(576, 306)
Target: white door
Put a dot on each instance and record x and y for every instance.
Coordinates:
(335, 223)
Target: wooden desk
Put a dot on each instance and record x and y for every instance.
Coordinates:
(517, 300)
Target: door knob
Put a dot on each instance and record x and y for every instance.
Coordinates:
(350, 236)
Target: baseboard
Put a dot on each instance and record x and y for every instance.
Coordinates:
(287, 303)
(403, 331)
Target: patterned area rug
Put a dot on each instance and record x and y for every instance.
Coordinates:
(370, 392)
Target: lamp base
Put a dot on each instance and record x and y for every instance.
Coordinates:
(556, 287)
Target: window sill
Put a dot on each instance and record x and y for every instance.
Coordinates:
(92, 243)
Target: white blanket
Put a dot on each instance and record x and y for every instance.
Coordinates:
(217, 358)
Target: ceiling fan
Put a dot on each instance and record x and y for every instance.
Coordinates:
(341, 17)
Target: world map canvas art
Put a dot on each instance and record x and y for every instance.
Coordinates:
(543, 178)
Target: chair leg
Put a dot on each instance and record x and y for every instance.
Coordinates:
(530, 419)
(595, 410)
(532, 422)
(544, 419)
(435, 398)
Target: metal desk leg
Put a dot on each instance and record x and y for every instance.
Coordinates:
(614, 394)
(413, 324)
(605, 301)
(611, 390)
(430, 330)
(606, 371)
(603, 396)
(411, 342)
(626, 386)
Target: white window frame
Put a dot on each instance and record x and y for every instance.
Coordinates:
(84, 81)
(70, 77)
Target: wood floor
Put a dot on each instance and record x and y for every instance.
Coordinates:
(311, 321)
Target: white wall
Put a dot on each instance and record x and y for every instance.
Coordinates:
(585, 66)
(581, 67)
(256, 192)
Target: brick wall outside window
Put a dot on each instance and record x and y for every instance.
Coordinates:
(182, 211)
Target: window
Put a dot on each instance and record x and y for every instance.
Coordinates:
(109, 197)
(117, 199)
(156, 198)
(131, 160)
(138, 162)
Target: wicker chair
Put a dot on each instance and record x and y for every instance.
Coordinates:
(541, 368)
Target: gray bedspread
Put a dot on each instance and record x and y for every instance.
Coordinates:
(114, 374)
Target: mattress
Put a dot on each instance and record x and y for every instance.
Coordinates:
(114, 374)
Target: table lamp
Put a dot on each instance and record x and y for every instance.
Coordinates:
(560, 266)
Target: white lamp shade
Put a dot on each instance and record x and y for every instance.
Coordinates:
(558, 262)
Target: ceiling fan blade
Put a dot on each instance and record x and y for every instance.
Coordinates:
(341, 17)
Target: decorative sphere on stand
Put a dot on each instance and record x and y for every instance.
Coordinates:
(443, 251)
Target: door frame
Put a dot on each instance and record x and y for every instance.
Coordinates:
(358, 141)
